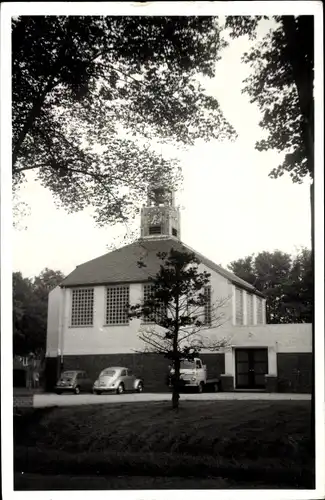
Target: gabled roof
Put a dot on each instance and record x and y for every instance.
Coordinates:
(121, 266)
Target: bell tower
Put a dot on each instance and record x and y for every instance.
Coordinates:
(160, 217)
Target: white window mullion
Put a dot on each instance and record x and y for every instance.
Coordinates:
(254, 310)
(234, 305)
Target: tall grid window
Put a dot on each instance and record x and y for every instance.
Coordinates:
(117, 301)
(207, 305)
(239, 306)
(250, 309)
(82, 309)
(259, 305)
(156, 315)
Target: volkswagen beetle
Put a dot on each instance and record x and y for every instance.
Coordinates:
(73, 381)
(117, 379)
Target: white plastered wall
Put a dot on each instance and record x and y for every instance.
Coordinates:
(54, 319)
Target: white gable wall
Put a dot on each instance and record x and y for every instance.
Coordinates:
(221, 290)
(102, 339)
(54, 319)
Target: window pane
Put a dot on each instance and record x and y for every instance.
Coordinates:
(260, 355)
(242, 355)
(260, 367)
(242, 380)
(242, 367)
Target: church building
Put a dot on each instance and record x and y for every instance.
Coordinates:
(89, 329)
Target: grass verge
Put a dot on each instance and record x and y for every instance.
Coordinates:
(239, 441)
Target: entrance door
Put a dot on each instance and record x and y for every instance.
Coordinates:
(251, 368)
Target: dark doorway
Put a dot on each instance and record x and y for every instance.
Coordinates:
(251, 368)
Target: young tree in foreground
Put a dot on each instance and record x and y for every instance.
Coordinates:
(79, 82)
(178, 303)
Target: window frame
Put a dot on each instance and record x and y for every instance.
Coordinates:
(149, 321)
(207, 312)
(76, 311)
(155, 226)
(109, 305)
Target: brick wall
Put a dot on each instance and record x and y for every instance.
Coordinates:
(151, 367)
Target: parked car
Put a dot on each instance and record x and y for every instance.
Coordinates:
(194, 374)
(73, 381)
(117, 379)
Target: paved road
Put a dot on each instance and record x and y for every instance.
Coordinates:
(45, 400)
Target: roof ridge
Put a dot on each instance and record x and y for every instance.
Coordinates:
(222, 271)
(125, 269)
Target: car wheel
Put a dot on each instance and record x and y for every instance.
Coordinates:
(216, 387)
(77, 390)
(58, 392)
(120, 389)
(140, 387)
(200, 388)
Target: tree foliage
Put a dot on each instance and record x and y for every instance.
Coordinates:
(79, 83)
(30, 299)
(281, 84)
(179, 309)
(286, 281)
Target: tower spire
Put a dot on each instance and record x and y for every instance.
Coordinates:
(160, 217)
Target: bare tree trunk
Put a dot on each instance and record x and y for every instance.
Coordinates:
(175, 396)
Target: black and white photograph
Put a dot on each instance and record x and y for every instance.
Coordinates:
(162, 259)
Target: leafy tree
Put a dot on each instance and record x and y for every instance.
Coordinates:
(46, 281)
(299, 290)
(287, 283)
(281, 83)
(22, 297)
(178, 307)
(30, 299)
(79, 83)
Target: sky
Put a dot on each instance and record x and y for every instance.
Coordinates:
(230, 208)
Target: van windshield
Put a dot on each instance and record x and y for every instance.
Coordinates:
(187, 365)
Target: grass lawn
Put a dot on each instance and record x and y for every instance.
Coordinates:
(228, 444)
